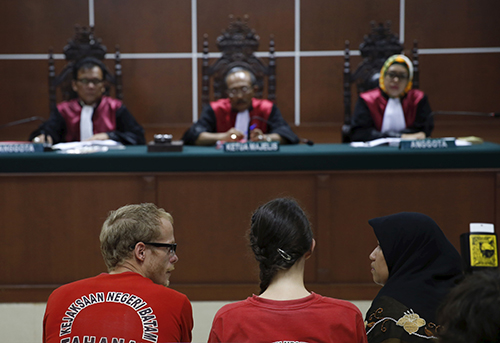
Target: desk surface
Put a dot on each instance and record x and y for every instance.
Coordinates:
(289, 158)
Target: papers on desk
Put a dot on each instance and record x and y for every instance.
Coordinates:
(461, 142)
(391, 141)
(87, 147)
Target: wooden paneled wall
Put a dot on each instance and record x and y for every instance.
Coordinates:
(51, 223)
(159, 91)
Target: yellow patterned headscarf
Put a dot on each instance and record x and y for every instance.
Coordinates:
(397, 59)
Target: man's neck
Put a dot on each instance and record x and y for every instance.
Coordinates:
(82, 103)
(127, 266)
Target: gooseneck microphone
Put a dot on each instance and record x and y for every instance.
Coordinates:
(459, 113)
(22, 121)
(46, 146)
(466, 113)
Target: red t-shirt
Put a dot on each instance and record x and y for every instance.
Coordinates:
(311, 319)
(125, 307)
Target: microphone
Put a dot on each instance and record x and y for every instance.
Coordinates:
(22, 121)
(466, 113)
(46, 146)
(459, 113)
(302, 140)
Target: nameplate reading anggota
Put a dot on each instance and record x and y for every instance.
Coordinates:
(20, 148)
(430, 143)
(251, 147)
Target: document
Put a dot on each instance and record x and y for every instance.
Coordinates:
(87, 147)
(391, 141)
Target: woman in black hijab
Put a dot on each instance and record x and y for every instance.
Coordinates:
(417, 266)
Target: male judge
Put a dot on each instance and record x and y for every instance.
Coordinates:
(92, 115)
(240, 116)
(131, 303)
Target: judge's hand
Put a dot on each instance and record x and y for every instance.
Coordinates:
(41, 139)
(98, 137)
(232, 135)
(416, 135)
(257, 135)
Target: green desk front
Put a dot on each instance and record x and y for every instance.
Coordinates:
(53, 205)
(299, 158)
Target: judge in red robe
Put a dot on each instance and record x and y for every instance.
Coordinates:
(91, 116)
(240, 116)
(394, 109)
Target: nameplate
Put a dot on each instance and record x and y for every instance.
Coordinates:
(20, 148)
(430, 143)
(251, 147)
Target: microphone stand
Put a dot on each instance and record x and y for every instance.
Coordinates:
(46, 145)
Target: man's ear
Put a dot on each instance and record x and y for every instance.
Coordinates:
(73, 86)
(140, 252)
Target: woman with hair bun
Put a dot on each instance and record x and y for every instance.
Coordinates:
(281, 240)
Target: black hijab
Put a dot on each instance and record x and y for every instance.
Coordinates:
(423, 265)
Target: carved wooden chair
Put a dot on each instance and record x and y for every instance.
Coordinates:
(238, 44)
(376, 47)
(83, 44)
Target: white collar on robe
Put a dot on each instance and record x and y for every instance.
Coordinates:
(242, 121)
(394, 118)
(86, 125)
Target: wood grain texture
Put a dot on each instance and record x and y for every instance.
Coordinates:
(325, 25)
(146, 26)
(29, 26)
(52, 223)
(456, 24)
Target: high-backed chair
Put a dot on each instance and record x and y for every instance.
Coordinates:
(238, 44)
(376, 47)
(83, 44)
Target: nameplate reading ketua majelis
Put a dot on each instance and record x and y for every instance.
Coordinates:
(431, 143)
(20, 148)
(252, 147)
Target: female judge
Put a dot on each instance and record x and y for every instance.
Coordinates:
(282, 241)
(417, 266)
(393, 109)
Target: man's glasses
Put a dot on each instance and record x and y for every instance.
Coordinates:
(86, 82)
(171, 247)
(392, 75)
(237, 91)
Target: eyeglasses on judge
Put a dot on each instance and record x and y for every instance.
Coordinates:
(171, 247)
(237, 91)
(392, 75)
(86, 82)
